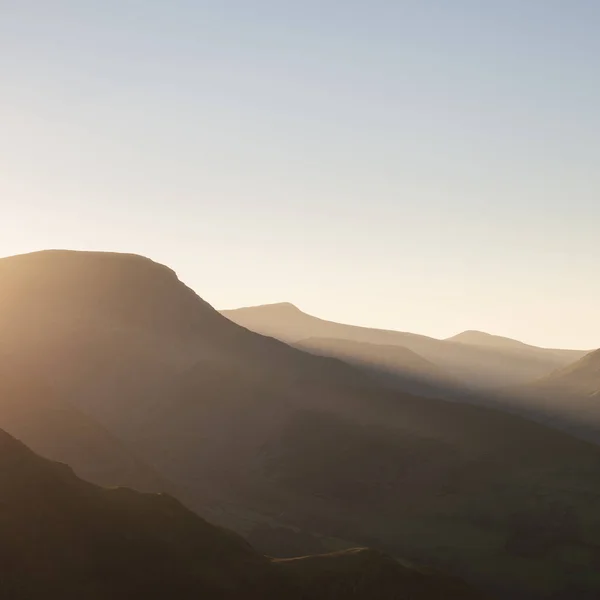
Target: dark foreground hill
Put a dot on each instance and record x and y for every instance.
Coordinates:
(267, 438)
(480, 360)
(63, 538)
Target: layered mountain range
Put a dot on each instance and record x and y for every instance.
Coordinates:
(479, 360)
(551, 386)
(266, 438)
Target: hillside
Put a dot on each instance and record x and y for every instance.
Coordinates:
(395, 365)
(569, 398)
(264, 436)
(32, 410)
(582, 378)
(478, 360)
(480, 338)
(63, 538)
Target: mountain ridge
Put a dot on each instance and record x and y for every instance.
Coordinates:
(260, 433)
(568, 397)
(392, 365)
(479, 366)
(61, 537)
(482, 338)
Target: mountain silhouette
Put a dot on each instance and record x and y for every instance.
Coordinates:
(478, 359)
(480, 338)
(260, 435)
(61, 537)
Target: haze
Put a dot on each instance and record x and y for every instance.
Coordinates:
(422, 166)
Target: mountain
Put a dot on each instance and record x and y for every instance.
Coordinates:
(395, 365)
(582, 378)
(477, 359)
(33, 411)
(61, 537)
(480, 338)
(267, 438)
(568, 398)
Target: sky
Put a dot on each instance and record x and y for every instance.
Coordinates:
(421, 165)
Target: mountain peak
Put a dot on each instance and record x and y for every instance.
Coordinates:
(274, 308)
(19, 465)
(481, 338)
(282, 306)
(472, 334)
(129, 287)
(49, 262)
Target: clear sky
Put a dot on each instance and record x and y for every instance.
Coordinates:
(423, 165)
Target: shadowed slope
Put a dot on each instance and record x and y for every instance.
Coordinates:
(32, 410)
(395, 365)
(61, 537)
(368, 573)
(480, 338)
(568, 399)
(581, 378)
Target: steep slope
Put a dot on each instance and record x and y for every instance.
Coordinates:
(569, 398)
(479, 365)
(395, 365)
(61, 537)
(40, 371)
(94, 324)
(263, 434)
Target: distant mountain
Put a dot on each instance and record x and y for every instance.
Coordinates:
(63, 538)
(480, 338)
(396, 365)
(33, 411)
(568, 398)
(265, 437)
(582, 378)
(478, 359)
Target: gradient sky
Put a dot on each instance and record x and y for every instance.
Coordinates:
(422, 165)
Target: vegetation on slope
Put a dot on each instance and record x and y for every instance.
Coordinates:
(63, 538)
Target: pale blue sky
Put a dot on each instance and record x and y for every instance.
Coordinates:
(430, 166)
